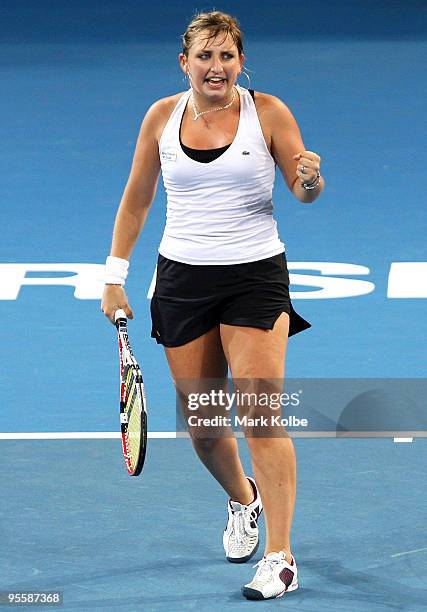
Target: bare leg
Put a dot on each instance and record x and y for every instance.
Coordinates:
(274, 467)
(254, 353)
(203, 358)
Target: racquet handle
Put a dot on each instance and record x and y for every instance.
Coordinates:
(120, 314)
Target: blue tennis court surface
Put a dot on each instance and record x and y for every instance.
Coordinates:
(76, 82)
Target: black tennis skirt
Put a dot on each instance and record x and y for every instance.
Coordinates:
(191, 299)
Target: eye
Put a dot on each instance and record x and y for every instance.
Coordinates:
(203, 55)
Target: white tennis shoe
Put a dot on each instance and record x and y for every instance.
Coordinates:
(241, 536)
(274, 577)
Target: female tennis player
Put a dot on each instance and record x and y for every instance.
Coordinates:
(222, 291)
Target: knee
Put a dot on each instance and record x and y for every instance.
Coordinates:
(205, 446)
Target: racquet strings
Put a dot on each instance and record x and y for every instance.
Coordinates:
(133, 410)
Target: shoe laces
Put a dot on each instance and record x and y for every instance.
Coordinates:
(241, 522)
(266, 566)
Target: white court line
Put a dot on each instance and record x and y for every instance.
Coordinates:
(73, 435)
(409, 552)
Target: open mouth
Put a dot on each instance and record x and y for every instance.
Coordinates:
(215, 81)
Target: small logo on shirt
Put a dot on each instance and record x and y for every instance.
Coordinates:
(168, 156)
(245, 153)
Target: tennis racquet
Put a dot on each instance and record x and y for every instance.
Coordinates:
(133, 413)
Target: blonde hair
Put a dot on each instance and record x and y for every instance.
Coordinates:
(215, 22)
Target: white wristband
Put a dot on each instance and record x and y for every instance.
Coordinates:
(116, 270)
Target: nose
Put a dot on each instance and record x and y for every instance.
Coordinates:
(216, 65)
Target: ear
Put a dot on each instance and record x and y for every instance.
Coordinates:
(242, 61)
(182, 58)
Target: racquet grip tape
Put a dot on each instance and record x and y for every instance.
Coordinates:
(119, 314)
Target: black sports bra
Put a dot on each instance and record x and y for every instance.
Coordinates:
(206, 155)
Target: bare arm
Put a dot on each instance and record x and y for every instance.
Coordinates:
(140, 188)
(287, 147)
(136, 202)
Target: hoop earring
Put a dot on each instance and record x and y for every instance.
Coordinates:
(244, 71)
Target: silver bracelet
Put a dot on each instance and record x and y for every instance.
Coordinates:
(313, 184)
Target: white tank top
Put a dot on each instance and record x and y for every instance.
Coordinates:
(219, 212)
